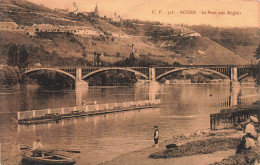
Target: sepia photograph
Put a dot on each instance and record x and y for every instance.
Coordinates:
(129, 82)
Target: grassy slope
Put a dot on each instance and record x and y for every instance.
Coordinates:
(64, 47)
(246, 52)
(241, 41)
(215, 53)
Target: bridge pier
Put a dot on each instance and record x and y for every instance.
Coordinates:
(79, 82)
(152, 74)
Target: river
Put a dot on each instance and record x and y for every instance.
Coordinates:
(185, 109)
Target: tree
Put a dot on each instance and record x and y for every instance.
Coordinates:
(176, 64)
(9, 76)
(257, 53)
(98, 59)
(256, 69)
(23, 57)
(117, 54)
(12, 55)
(256, 73)
(84, 54)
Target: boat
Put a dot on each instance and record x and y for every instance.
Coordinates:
(46, 158)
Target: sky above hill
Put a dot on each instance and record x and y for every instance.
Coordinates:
(229, 13)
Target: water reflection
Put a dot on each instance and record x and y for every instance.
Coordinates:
(185, 108)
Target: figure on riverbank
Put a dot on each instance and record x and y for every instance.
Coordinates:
(156, 136)
(37, 148)
(250, 136)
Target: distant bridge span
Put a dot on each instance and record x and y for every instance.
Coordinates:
(103, 69)
(182, 69)
(32, 70)
(232, 72)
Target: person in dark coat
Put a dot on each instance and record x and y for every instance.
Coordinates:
(156, 136)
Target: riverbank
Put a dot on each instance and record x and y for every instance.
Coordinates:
(201, 147)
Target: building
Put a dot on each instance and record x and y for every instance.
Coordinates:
(94, 13)
(63, 11)
(48, 28)
(191, 34)
(116, 18)
(8, 26)
(87, 31)
(30, 30)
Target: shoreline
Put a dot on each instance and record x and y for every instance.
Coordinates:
(141, 156)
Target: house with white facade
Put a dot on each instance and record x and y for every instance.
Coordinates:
(8, 26)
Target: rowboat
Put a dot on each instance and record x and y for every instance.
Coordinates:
(45, 159)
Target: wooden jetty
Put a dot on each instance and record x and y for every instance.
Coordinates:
(228, 118)
(56, 114)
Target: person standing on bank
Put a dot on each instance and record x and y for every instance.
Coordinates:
(156, 136)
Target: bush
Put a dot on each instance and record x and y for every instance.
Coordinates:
(52, 80)
(256, 73)
(113, 78)
(9, 76)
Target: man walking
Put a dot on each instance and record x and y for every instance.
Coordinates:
(156, 136)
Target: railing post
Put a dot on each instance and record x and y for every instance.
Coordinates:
(18, 115)
(96, 107)
(33, 111)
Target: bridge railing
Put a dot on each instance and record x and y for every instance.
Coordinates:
(101, 67)
(40, 113)
(227, 118)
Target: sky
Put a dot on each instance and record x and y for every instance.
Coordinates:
(224, 13)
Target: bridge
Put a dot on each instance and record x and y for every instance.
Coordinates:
(235, 73)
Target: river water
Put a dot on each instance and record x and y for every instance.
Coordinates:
(185, 109)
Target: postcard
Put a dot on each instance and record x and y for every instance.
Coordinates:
(129, 82)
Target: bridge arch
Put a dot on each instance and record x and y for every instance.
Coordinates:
(181, 69)
(114, 68)
(244, 76)
(52, 69)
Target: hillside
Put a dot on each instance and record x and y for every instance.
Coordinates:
(205, 51)
(241, 41)
(151, 39)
